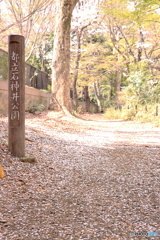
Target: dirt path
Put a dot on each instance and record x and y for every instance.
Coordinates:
(92, 180)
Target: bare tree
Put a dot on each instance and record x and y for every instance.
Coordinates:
(30, 18)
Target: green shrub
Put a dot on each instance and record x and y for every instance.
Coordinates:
(36, 108)
(111, 113)
(80, 109)
(141, 114)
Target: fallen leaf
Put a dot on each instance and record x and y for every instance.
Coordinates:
(1, 172)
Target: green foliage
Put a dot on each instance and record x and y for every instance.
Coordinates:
(142, 114)
(94, 64)
(156, 92)
(3, 66)
(80, 110)
(35, 61)
(111, 113)
(130, 46)
(140, 88)
(95, 38)
(41, 58)
(81, 99)
(49, 88)
(36, 108)
(124, 114)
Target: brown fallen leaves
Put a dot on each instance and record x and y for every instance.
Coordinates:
(1, 172)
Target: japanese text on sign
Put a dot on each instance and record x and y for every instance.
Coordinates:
(14, 86)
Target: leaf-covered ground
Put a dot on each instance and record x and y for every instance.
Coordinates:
(92, 180)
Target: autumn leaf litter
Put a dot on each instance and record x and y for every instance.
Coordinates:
(91, 180)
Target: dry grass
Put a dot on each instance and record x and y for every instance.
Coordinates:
(141, 115)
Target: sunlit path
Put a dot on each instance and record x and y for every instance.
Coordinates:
(91, 180)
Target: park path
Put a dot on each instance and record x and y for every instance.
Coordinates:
(91, 180)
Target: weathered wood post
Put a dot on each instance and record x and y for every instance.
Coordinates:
(16, 94)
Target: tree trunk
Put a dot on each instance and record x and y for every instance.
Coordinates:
(61, 54)
(118, 87)
(98, 95)
(75, 103)
(87, 99)
(78, 57)
(74, 87)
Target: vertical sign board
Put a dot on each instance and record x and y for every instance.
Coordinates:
(16, 101)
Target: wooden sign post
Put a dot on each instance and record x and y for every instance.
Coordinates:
(16, 101)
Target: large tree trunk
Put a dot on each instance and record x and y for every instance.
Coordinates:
(61, 54)
(98, 95)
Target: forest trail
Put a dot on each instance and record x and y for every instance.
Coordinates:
(93, 179)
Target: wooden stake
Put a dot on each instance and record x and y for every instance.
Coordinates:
(16, 101)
